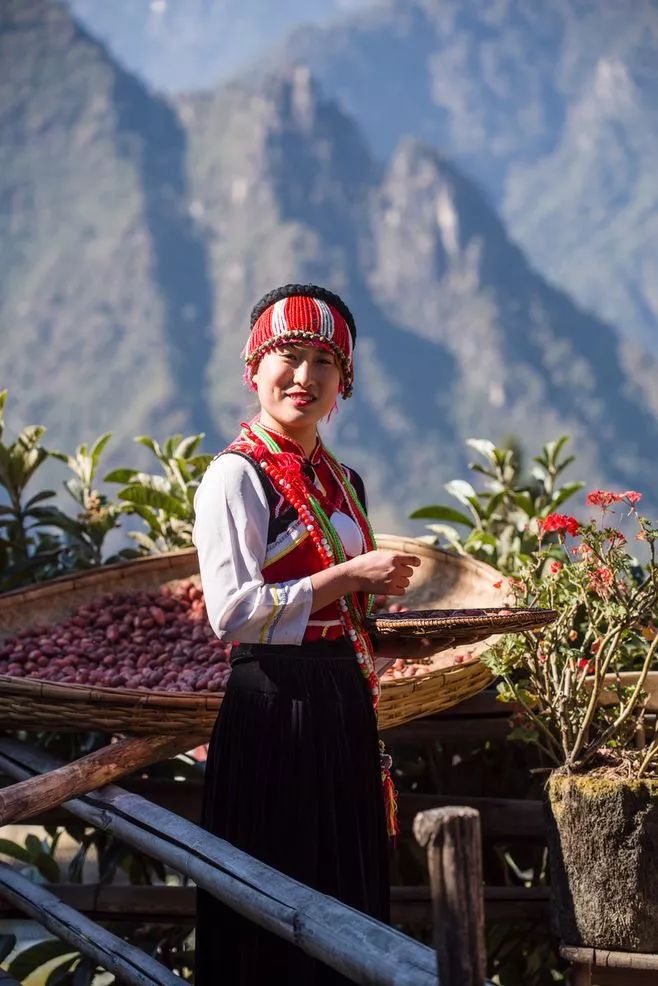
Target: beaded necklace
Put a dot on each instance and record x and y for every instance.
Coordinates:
(329, 547)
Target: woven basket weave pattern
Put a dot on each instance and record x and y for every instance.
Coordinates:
(442, 579)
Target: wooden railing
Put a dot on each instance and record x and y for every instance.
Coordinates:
(364, 950)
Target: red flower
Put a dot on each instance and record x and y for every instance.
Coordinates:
(602, 498)
(600, 581)
(584, 664)
(561, 524)
(615, 537)
(555, 567)
(632, 496)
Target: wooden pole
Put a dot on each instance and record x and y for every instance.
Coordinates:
(128, 963)
(361, 948)
(454, 853)
(49, 790)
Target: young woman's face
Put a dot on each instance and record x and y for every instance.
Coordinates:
(297, 385)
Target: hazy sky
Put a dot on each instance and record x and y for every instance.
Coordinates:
(178, 45)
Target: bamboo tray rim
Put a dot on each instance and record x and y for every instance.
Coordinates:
(91, 576)
(98, 695)
(500, 619)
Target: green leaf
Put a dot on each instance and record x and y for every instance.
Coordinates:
(482, 470)
(155, 499)
(10, 848)
(149, 443)
(438, 512)
(564, 494)
(462, 490)
(553, 449)
(61, 457)
(98, 446)
(486, 448)
(30, 435)
(449, 533)
(148, 515)
(33, 846)
(38, 497)
(493, 504)
(144, 540)
(33, 956)
(483, 540)
(7, 942)
(187, 446)
(54, 517)
(170, 444)
(59, 975)
(47, 867)
(84, 973)
(525, 502)
(200, 462)
(121, 475)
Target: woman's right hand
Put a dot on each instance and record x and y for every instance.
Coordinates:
(382, 573)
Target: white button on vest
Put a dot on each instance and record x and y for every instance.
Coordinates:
(348, 532)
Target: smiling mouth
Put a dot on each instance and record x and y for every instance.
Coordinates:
(301, 398)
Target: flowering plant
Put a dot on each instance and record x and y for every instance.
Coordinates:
(581, 682)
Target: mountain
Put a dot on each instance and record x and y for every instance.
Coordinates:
(103, 284)
(553, 108)
(138, 232)
(456, 329)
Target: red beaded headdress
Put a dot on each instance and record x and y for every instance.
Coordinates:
(307, 321)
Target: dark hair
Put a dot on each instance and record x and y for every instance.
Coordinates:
(307, 291)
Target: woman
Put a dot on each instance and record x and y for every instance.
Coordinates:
(294, 775)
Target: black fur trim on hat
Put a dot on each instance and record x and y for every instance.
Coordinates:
(306, 291)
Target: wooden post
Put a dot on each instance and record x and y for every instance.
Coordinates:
(454, 851)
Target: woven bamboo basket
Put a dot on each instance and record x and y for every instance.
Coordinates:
(442, 579)
(30, 703)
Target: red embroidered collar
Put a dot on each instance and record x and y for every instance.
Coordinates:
(288, 444)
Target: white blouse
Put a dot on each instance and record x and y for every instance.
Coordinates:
(230, 535)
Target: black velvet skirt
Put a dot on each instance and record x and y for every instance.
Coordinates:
(293, 779)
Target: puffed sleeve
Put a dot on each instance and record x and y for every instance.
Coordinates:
(230, 534)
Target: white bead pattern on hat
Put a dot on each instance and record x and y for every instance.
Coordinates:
(326, 319)
(279, 321)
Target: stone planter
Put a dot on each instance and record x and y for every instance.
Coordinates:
(603, 845)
